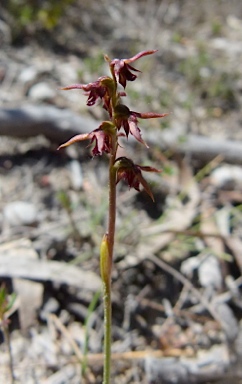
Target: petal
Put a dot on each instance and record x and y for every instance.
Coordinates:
(130, 67)
(149, 115)
(94, 95)
(122, 79)
(100, 144)
(125, 72)
(139, 55)
(145, 186)
(126, 127)
(75, 139)
(103, 137)
(74, 86)
(149, 169)
(135, 131)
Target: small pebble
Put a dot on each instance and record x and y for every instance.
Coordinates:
(28, 74)
(76, 175)
(41, 91)
(20, 213)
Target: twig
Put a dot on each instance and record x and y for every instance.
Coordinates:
(68, 337)
(169, 269)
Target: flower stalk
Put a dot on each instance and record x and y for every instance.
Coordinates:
(122, 122)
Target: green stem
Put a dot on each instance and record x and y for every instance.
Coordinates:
(107, 331)
(106, 255)
(106, 268)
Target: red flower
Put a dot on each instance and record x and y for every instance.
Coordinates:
(122, 68)
(102, 88)
(103, 137)
(128, 120)
(131, 173)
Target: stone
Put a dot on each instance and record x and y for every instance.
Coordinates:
(20, 213)
(41, 91)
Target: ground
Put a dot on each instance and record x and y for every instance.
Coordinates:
(177, 271)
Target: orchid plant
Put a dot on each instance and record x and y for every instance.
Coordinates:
(105, 139)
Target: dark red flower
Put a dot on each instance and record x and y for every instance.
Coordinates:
(131, 173)
(123, 69)
(100, 89)
(129, 120)
(102, 136)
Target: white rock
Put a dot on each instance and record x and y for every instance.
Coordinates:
(76, 174)
(226, 45)
(20, 213)
(67, 72)
(226, 174)
(190, 265)
(209, 272)
(41, 91)
(234, 23)
(228, 319)
(28, 74)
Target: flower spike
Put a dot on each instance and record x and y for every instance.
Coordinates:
(121, 122)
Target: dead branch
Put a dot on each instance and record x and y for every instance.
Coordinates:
(55, 124)
(59, 125)
(18, 260)
(201, 148)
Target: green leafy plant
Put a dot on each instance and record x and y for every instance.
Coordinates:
(122, 122)
(191, 67)
(44, 14)
(209, 82)
(6, 304)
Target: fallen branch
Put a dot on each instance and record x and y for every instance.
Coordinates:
(200, 148)
(17, 260)
(59, 125)
(55, 124)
